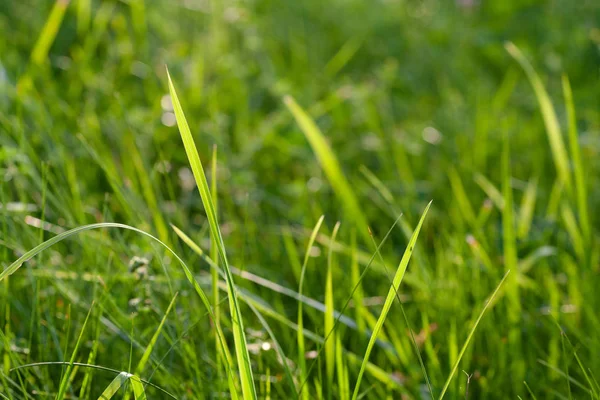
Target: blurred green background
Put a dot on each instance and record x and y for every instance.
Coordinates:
(417, 100)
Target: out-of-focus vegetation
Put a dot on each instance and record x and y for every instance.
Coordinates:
(361, 111)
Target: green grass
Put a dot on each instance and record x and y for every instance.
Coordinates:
(235, 252)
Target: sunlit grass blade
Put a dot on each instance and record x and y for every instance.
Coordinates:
(330, 166)
(138, 388)
(527, 209)
(410, 330)
(399, 275)
(578, 168)
(48, 33)
(490, 190)
(114, 386)
(470, 336)
(84, 16)
(239, 335)
(461, 196)
(343, 56)
(146, 356)
(342, 371)
(358, 292)
(329, 317)
(557, 145)
(214, 251)
(300, 335)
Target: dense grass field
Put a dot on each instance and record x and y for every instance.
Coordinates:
(257, 223)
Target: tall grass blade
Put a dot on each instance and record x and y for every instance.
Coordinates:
(412, 335)
(146, 356)
(389, 300)
(330, 165)
(65, 379)
(239, 336)
(559, 151)
(49, 31)
(300, 335)
(470, 336)
(578, 170)
(329, 317)
(214, 251)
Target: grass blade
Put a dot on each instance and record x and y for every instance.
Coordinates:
(138, 388)
(48, 33)
(559, 151)
(330, 165)
(329, 318)
(300, 335)
(470, 336)
(410, 330)
(114, 386)
(389, 300)
(278, 349)
(578, 171)
(527, 209)
(150, 347)
(239, 336)
(65, 379)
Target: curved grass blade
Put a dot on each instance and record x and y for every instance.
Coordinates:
(559, 151)
(12, 268)
(114, 386)
(239, 336)
(138, 388)
(330, 165)
(389, 300)
(464, 348)
(145, 382)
